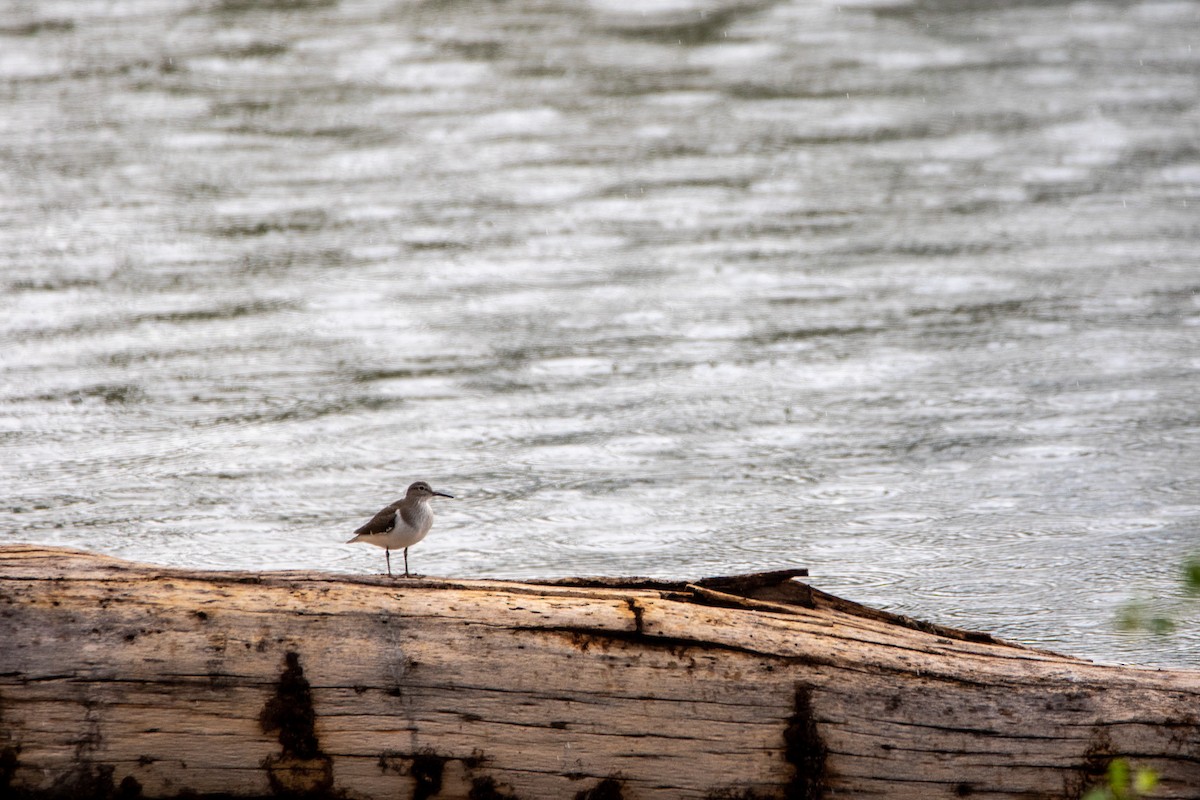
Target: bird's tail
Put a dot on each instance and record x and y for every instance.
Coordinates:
(352, 541)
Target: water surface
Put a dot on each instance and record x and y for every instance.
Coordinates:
(903, 292)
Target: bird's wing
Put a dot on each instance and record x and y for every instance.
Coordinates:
(382, 522)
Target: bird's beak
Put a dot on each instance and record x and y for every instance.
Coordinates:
(443, 494)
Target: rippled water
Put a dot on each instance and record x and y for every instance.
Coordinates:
(903, 292)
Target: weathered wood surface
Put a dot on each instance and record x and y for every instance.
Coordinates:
(121, 679)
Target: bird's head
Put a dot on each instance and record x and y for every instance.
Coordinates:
(421, 490)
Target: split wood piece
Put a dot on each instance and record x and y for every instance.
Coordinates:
(127, 680)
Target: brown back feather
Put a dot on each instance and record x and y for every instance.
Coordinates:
(382, 522)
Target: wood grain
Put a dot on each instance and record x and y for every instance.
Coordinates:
(125, 680)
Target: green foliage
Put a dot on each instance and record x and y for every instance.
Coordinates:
(1138, 616)
(1191, 575)
(1159, 618)
(1120, 785)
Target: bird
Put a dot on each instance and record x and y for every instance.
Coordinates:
(402, 524)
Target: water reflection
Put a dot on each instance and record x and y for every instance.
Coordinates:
(901, 292)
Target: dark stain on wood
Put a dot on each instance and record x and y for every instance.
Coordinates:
(637, 614)
(130, 789)
(607, 789)
(290, 711)
(385, 761)
(426, 771)
(426, 767)
(301, 769)
(736, 794)
(86, 780)
(804, 750)
(1094, 767)
(83, 780)
(486, 788)
(8, 767)
(8, 755)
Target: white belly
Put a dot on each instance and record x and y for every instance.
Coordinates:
(403, 534)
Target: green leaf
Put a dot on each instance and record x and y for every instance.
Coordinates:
(1191, 575)
(1145, 780)
(1118, 775)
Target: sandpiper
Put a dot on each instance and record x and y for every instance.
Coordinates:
(402, 524)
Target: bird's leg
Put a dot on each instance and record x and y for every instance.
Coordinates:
(387, 554)
(406, 562)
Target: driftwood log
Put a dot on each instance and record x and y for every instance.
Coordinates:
(122, 680)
